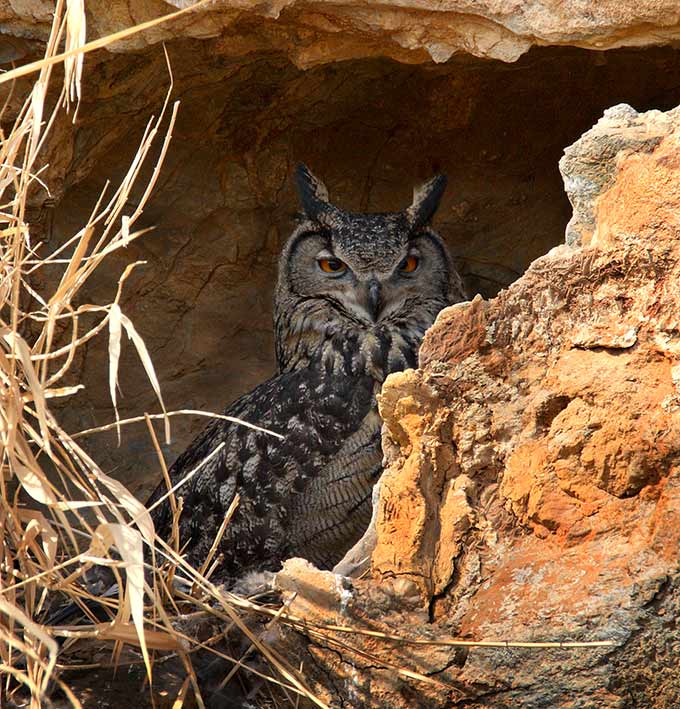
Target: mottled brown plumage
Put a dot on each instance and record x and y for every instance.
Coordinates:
(350, 307)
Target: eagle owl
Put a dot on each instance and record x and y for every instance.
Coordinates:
(355, 294)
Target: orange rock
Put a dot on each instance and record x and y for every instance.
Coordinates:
(533, 484)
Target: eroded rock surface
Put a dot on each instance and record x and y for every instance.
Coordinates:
(533, 490)
(408, 30)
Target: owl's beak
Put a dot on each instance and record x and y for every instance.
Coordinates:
(373, 299)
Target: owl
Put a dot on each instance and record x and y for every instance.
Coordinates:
(355, 294)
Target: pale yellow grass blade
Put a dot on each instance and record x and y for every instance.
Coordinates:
(33, 480)
(59, 392)
(129, 544)
(19, 346)
(182, 694)
(115, 332)
(127, 633)
(38, 522)
(37, 106)
(67, 280)
(139, 514)
(70, 505)
(180, 412)
(148, 368)
(75, 39)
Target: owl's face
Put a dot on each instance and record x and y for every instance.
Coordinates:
(346, 275)
(368, 268)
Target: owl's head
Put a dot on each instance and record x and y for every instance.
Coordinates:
(363, 272)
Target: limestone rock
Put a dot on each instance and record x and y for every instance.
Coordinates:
(621, 130)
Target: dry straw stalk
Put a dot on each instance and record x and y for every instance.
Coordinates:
(48, 482)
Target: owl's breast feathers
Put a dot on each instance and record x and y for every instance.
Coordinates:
(305, 338)
(307, 494)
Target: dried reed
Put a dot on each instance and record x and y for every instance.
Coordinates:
(49, 543)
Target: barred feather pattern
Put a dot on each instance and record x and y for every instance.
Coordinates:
(307, 495)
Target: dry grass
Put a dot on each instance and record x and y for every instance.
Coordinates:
(77, 514)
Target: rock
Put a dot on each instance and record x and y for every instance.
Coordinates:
(620, 130)
(423, 495)
(533, 487)
(407, 30)
(314, 593)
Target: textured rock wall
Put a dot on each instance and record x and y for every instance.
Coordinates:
(533, 487)
(313, 31)
(225, 203)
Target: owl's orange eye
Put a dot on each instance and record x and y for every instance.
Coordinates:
(409, 264)
(332, 265)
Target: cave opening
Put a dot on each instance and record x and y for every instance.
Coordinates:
(371, 129)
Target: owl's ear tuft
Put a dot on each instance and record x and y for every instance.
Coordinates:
(426, 200)
(313, 193)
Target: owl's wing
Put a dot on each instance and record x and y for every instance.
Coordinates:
(306, 494)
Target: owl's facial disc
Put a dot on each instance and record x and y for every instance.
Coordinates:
(368, 290)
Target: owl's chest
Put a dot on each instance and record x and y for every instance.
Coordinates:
(334, 509)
